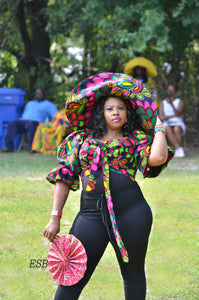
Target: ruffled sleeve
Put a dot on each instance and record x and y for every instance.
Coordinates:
(142, 152)
(68, 158)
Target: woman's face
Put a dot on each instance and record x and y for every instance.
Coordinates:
(115, 113)
(172, 90)
(139, 72)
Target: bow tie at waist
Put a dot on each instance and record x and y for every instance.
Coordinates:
(104, 152)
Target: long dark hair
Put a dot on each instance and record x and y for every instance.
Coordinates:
(98, 123)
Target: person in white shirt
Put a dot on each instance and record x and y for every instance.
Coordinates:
(171, 114)
(35, 112)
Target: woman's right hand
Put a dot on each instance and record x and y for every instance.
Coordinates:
(53, 228)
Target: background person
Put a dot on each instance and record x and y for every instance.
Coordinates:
(106, 153)
(35, 111)
(171, 113)
(144, 71)
(50, 135)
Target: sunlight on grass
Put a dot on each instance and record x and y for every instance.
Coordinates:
(26, 202)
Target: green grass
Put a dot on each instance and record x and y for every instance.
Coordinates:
(26, 202)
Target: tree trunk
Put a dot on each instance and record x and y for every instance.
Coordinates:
(40, 37)
(29, 61)
(36, 43)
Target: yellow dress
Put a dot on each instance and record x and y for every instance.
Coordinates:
(49, 136)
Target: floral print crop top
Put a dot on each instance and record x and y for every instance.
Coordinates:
(80, 155)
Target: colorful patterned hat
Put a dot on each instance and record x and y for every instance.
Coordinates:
(80, 102)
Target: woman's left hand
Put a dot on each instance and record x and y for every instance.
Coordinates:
(158, 122)
(159, 151)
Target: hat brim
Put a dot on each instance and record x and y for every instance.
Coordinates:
(80, 102)
(151, 69)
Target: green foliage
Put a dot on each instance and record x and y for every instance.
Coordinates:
(22, 28)
(113, 32)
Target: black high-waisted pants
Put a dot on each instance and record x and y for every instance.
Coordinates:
(92, 227)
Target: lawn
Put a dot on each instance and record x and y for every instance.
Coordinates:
(26, 202)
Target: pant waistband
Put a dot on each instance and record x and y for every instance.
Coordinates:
(92, 200)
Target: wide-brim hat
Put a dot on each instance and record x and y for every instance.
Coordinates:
(151, 70)
(81, 100)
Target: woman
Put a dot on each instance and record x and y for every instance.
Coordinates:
(171, 114)
(144, 71)
(118, 118)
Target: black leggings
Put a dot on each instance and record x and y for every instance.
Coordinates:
(134, 219)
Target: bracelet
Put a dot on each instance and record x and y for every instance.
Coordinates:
(160, 128)
(56, 213)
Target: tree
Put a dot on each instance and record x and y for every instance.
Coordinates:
(25, 37)
(36, 36)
